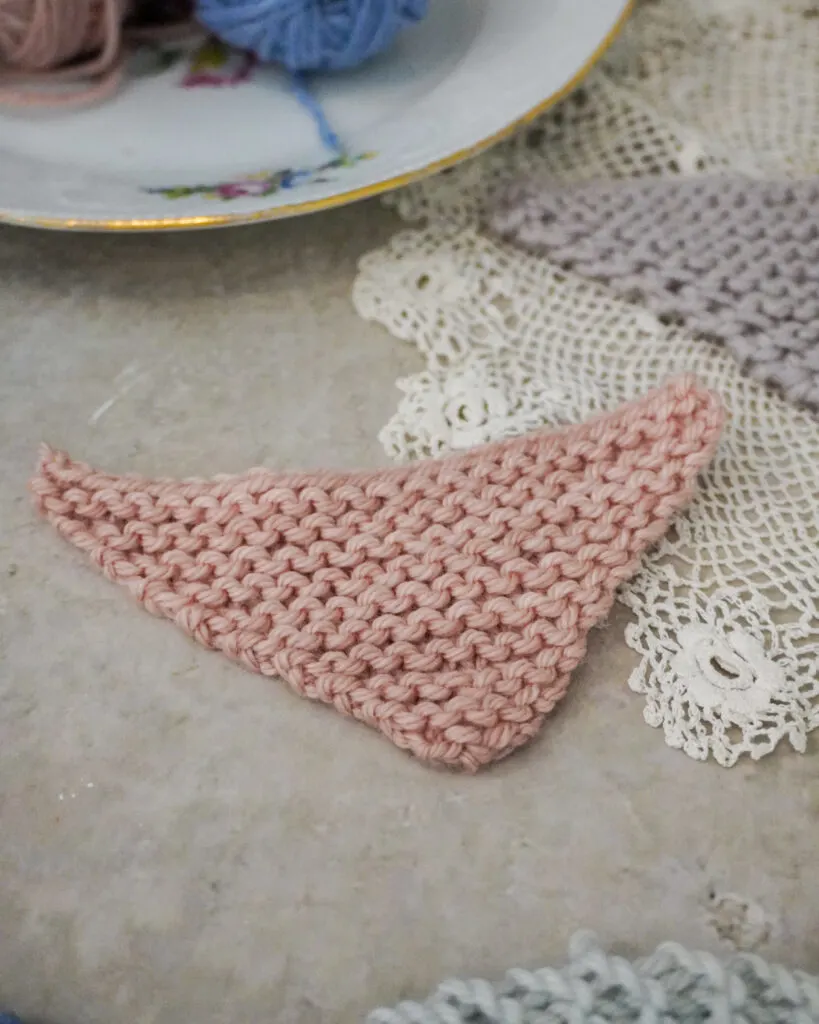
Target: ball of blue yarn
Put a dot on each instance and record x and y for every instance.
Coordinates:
(310, 35)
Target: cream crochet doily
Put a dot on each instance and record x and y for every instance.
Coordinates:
(726, 609)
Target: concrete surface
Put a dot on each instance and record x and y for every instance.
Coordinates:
(184, 843)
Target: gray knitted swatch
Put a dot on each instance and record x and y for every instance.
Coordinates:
(730, 258)
(672, 986)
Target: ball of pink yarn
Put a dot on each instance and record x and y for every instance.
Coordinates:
(54, 41)
(58, 41)
(39, 36)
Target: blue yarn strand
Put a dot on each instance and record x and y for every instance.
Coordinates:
(301, 91)
(310, 35)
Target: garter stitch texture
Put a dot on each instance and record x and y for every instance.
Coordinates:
(672, 986)
(444, 603)
(734, 259)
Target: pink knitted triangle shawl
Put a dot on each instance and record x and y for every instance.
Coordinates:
(445, 603)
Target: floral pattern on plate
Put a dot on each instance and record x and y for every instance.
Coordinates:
(210, 63)
(265, 183)
(214, 64)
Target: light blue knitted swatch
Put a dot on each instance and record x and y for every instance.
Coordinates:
(672, 986)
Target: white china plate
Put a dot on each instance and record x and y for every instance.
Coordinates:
(199, 137)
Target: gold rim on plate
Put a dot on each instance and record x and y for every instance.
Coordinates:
(341, 198)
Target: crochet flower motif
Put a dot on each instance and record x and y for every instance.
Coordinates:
(485, 398)
(729, 668)
(445, 603)
(730, 672)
